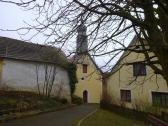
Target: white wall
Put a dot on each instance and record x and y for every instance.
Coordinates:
(22, 75)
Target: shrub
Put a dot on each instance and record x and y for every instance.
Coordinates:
(77, 100)
(22, 106)
(24, 101)
(72, 76)
(63, 100)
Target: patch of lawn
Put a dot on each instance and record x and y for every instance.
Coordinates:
(75, 121)
(107, 118)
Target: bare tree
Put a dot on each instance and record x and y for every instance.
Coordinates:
(45, 85)
(109, 23)
(47, 71)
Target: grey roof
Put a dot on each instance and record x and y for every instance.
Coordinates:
(21, 50)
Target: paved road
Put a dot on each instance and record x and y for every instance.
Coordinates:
(65, 117)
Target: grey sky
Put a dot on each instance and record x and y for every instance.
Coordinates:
(13, 17)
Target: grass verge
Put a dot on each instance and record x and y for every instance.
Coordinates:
(21, 101)
(107, 118)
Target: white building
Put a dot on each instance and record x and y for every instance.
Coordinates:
(33, 67)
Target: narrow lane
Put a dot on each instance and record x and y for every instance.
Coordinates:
(59, 118)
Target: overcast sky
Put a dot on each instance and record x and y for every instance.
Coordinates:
(13, 17)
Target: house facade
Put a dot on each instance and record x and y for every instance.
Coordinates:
(32, 67)
(89, 86)
(133, 84)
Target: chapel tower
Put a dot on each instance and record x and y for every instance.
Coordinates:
(89, 86)
(81, 43)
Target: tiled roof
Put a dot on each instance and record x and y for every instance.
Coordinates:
(17, 49)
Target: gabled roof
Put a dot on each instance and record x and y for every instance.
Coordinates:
(76, 57)
(93, 61)
(21, 50)
(125, 53)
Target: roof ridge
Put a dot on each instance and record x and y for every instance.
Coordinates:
(18, 49)
(28, 42)
(113, 70)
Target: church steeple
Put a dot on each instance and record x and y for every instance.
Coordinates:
(82, 43)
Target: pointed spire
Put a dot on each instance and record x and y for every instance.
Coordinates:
(82, 44)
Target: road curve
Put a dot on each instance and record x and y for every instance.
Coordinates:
(65, 117)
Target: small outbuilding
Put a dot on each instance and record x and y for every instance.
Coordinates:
(33, 67)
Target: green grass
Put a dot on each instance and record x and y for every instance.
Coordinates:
(106, 118)
(25, 102)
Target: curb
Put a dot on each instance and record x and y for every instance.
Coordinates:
(31, 113)
(80, 121)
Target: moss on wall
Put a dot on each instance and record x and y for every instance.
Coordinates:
(72, 76)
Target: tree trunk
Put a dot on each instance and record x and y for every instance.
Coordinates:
(157, 40)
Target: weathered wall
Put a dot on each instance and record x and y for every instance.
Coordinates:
(1, 63)
(92, 81)
(22, 75)
(141, 87)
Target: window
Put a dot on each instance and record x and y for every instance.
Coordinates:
(160, 99)
(139, 69)
(125, 95)
(84, 68)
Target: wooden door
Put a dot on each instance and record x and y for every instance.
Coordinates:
(85, 96)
